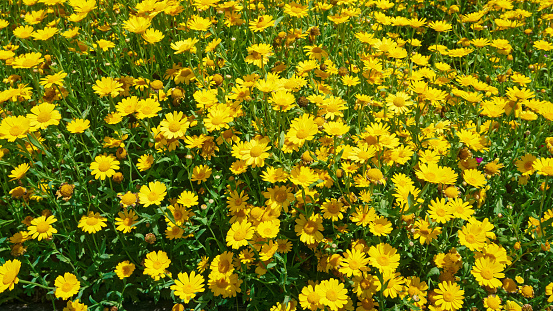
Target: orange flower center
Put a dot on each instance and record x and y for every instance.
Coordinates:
(239, 235)
(331, 295)
(310, 227)
(174, 126)
(256, 151)
(67, 287)
(92, 221)
(43, 116)
(104, 166)
(487, 274)
(448, 297)
(16, 130)
(383, 260)
(302, 133)
(42, 227)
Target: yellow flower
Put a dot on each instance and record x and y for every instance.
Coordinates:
(137, 24)
(44, 115)
(41, 227)
(543, 166)
(384, 257)
(475, 178)
(124, 269)
(104, 166)
(333, 294)
(309, 230)
(156, 263)
(66, 286)
(28, 60)
(201, 173)
(107, 86)
(449, 296)
(19, 172)
(261, 23)
(187, 45)
(152, 36)
(239, 234)
(488, 272)
(8, 274)
(77, 126)
(152, 194)
(186, 286)
(92, 223)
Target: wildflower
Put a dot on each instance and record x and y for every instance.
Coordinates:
(333, 294)
(13, 127)
(449, 296)
(137, 24)
(92, 223)
(474, 178)
(332, 209)
(43, 115)
(201, 173)
(41, 227)
(145, 162)
(384, 257)
(19, 172)
(104, 166)
(336, 128)
(126, 220)
(77, 126)
(525, 165)
(152, 36)
(268, 229)
(261, 23)
(174, 125)
(255, 152)
(152, 194)
(187, 45)
(156, 263)
(309, 230)
(440, 211)
(124, 269)
(309, 299)
(354, 263)
(488, 272)
(188, 199)
(28, 60)
(107, 86)
(543, 166)
(225, 285)
(218, 117)
(258, 54)
(239, 234)
(66, 286)
(8, 274)
(380, 226)
(186, 286)
(303, 176)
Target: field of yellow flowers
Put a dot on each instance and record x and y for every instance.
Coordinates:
(277, 155)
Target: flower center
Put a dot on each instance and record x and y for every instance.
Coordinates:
(92, 221)
(43, 116)
(383, 260)
(152, 196)
(67, 287)
(104, 166)
(399, 101)
(280, 196)
(256, 151)
(222, 283)
(448, 297)
(487, 274)
(313, 298)
(548, 170)
(309, 227)
(216, 120)
(157, 265)
(239, 235)
(354, 265)
(331, 295)
(430, 176)
(224, 266)
(16, 130)
(42, 227)
(316, 50)
(127, 221)
(174, 126)
(302, 134)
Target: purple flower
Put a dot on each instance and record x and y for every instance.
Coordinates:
(479, 160)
